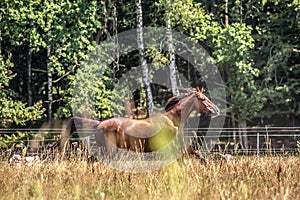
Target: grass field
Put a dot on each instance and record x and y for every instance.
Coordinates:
(243, 178)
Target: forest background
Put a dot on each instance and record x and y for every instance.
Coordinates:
(254, 43)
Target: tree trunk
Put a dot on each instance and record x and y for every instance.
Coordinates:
(241, 11)
(29, 78)
(226, 13)
(106, 20)
(50, 81)
(172, 67)
(145, 70)
(115, 37)
(29, 71)
(233, 124)
(243, 133)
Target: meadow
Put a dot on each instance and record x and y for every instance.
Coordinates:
(251, 177)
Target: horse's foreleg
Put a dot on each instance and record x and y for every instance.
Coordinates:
(191, 151)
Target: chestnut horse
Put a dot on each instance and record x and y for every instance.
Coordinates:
(145, 135)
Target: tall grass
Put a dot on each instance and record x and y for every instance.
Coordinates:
(243, 178)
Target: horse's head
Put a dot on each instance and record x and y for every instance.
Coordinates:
(204, 105)
(192, 100)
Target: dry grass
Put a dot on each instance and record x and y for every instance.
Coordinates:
(243, 178)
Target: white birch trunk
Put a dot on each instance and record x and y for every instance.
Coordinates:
(29, 72)
(172, 67)
(226, 13)
(115, 36)
(50, 81)
(140, 41)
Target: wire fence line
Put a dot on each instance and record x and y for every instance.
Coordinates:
(261, 139)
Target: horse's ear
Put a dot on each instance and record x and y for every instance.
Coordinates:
(202, 90)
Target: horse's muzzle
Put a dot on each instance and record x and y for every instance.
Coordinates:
(214, 111)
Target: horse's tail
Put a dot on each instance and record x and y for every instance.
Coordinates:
(72, 125)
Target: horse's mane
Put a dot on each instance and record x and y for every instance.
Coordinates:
(174, 100)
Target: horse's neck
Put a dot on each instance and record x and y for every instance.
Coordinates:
(181, 112)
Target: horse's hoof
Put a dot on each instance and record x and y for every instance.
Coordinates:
(202, 159)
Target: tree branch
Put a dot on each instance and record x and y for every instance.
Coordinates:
(66, 74)
(296, 50)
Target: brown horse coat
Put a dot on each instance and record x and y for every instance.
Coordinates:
(150, 134)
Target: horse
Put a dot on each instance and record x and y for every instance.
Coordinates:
(149, 134)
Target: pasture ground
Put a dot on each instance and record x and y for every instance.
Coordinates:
(252, 177)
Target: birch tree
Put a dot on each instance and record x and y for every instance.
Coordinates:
(143, 62)
(49, 80)
(172, 67)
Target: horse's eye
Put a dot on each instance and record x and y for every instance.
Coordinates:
(201, 98)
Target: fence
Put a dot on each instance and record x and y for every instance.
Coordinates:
(259, 139)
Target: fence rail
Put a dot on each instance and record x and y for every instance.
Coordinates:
(260, 139)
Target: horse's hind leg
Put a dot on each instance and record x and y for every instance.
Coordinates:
(106, 143)
(111, 144)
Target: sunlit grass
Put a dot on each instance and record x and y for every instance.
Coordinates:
(244, 178)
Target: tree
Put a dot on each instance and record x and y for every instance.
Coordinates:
(231, 47)
(13, 111)
(172, 67)
(13, 23)
(232, 54)
(58, 37)
(254, 43)
(276, 55)
(275, 30)
(143, 62)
